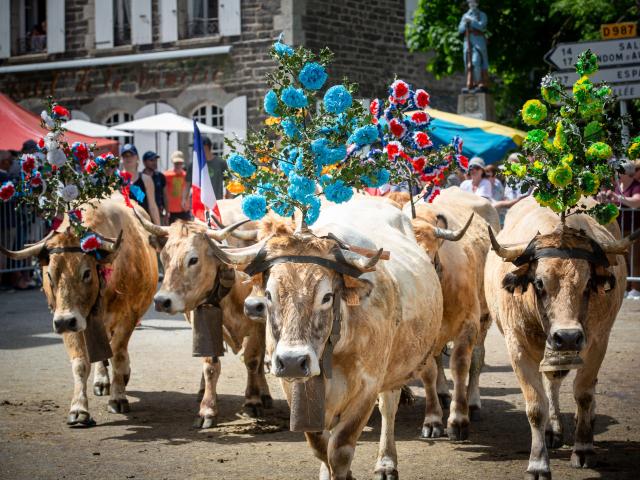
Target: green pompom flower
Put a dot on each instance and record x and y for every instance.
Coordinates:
(519, 170)
(587, 63)
(599, 151)
(592, 109)
(567, 159)
(534, 112)
(604, 91)
(560, 139)
(560, 176)
(593, 131)
(605, 213)
(551, 95)
(582, 90)
(536, 136)
(567, 111)
(634, 149)
(589, 183)
(543, 198)
(573, 198)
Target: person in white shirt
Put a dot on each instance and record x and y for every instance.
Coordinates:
(477, 183)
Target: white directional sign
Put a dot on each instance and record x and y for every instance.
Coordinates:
(609, 75)
(624, 51)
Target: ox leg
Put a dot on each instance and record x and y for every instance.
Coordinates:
(584, 387)
(101, 382)
(80, 367)
(432, 426)
(477, 362)
(554, 435)
(387, 464)
(441, 384)
(118, 402)
(458, 423)
(257, 389)
(209, 404)
(526, 369)
(318, 441)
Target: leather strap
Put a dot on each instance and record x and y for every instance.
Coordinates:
(264, 265)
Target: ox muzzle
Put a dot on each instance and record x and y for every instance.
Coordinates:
(255, 307)
(295, 362)
(167, 302)
(68, 322)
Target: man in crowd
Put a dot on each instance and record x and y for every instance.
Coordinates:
(150, 163)
(176, 190)
(217, 167)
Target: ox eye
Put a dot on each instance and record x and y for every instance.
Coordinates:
(86, 275)
(193, 261)
(268, 295)
(539, 285)
(327, 298)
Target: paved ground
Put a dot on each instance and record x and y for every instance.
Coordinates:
(155, 441)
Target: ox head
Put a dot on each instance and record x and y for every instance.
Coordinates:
(432, 230)
(563, 268)
(190, 263)
(302, 282)
(71, 278)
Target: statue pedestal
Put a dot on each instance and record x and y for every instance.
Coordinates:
(477, 105)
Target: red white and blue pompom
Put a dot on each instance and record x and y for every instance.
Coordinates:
(28, 164)
(431, 193)
(60, 112)
(90, 243)
(35, 181)
(375, 108)
(456, 142)
(399, 91)
(394, 149)
(419, 163)
(421, 140)
(7, 191)
(75, 216)
(463, 162)
(397, 128)
(421, 98)
(420, 118)
(80, 152)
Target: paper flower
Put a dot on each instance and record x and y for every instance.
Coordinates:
(7, 191)
(235, 187)
(420, 118)
(313, 212)
(282, 49)
(290, 128)
(60, 112)
(593, 131)
(399, 91)
(536, 136)
(325, 154)
(599, 151)
(375, 110)
(365, 135)
(422, 140)
(397, 128)
(282, 208)
(606, 213)
(240, 165)
(337, 99)
(338, 192)
(582, 89)
(378, 179)
(56, 157)
(533, 112)
(560, 176)
(293, 97)
(301, 187)
(254, 206)
(634, 149)
(69, 192)
(394, 149)
(560, 138)
(36, 180)
(419, 163)
(80, 152)
(28, 164)
(587, 64)
(421, 98)
(271, 103)
(312, 76)
(90, 243)
(589, 183)
(46, 118)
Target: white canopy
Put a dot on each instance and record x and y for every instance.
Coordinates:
(167, 122)
(91, 129)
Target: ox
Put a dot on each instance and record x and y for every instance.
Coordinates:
(459, 258)
(191, 271)
(554, 292)
(116, 289)
(388, 316)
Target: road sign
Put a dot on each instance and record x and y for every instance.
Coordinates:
(609, 31)
(609, 75)
(609, 52)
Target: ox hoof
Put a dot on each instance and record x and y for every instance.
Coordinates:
(253, 408)
(553, 439)
(80, 420)
(537, 475)
(474, 413)
(445, 400)
(432, 430)
(583, 459)
(458, 431)
(388, 473)
(101, 389)
(118, 406)
(204, 422)
(267, 401)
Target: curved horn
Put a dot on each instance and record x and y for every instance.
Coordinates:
(621, 246)
(452, 235)
(218, 223)
(152, 227)
(44, 240)
(509, 254)
(113, 245)
(222, 234)
(361, 262)
(236, 256)
(245, 235)
(30, 251)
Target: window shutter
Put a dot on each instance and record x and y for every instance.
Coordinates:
(55, 26)
(235, 119)
(5, 29)
(141, 22)
(229, 18)
(104, 23)
(168, 21)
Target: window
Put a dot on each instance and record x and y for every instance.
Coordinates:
(117, 118)
(197, 18)
(29, 22)
(121, 22)
(213, 116)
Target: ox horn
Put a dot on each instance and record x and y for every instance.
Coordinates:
(151, 227)
(30, 250)
(246, 235)
(220, 235)
(236, 256)
(507, 253)
(112, 245)
(621, 246)
(361, 262)
(452, 235)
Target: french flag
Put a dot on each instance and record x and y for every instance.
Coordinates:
(202, 196)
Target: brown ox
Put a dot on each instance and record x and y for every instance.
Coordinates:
(554, 295)
(459, 258)
(191, 269)
(116, 289)
(389, 319)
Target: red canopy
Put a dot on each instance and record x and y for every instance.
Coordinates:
(19, 125)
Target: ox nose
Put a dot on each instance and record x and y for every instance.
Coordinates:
(255, 308)
(65, 324)
(292, 365)
(567, 339)
(161, 303)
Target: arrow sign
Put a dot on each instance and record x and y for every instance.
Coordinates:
(609, 75)
(609, 53)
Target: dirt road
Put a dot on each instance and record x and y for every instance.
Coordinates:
(156, 441)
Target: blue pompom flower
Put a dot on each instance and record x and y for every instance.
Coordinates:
(337, 99)
(271, 103)
(282, 49)
(338, 192)
(241, 165)
(312, 76)
(294, 97)
(364, 135)
(325, 155)
(300, 187)
(313, 212)
(254, 206)
(282, 208)
(290, 128)
(378, 179)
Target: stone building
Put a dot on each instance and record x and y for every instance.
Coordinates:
(111, 61)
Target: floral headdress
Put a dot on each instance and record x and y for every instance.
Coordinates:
(570, 152)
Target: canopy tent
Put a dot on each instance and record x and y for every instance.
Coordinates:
(480, 138)
(91, 129)
(19, 125)
(166, 122)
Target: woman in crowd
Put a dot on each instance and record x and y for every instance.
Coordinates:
(477, 182)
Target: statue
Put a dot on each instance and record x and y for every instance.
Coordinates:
(476, 60)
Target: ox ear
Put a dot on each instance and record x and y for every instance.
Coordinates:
(157, 242)
(517, 282)
(356, 289)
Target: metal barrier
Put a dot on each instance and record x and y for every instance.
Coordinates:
(629, 220)
(17, 228)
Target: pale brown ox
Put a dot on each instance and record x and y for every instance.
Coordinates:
(74, 289)
(191, 269)
(549, 305)
(459, 258)
(385, 340)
